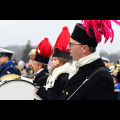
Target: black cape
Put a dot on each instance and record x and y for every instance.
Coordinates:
(55, 92)
(100, 87)
(41, 78)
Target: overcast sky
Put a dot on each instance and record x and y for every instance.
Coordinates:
(18, 32)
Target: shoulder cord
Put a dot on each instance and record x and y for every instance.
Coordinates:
(87, 79)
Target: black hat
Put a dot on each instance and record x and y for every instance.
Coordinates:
(58, 53)
(41, 59)
(79, 34)
(43, 51)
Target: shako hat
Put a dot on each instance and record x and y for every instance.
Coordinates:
(79, 34)
(43, 51)
(5, 52)
(60, 47)
(90, 32)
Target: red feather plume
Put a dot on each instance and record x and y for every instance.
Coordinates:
(100, 27)
(45, 48)
(63, 40)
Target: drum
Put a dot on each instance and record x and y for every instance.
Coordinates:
(18, 90)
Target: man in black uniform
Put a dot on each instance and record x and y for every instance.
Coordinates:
(40, 62)
(89, 79)
(7, 66)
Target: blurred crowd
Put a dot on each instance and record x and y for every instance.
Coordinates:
(26, 69)
(114, 69)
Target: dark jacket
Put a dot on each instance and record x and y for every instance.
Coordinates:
(99, 87)
(55, 92)
(41, 78)
(9, 69)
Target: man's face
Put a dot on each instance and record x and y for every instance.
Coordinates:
(75, 49)
(3, 60)
(36, 66)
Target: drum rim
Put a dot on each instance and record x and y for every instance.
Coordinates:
(8, 75)
(7, 81)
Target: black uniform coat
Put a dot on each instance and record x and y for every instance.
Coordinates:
(99, 87)
(41, 78)
(55, 92)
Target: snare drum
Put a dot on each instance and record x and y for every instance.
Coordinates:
(18, 90)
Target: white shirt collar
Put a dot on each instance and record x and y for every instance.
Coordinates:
(39, 71)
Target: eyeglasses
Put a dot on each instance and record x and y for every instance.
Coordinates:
(73, 44)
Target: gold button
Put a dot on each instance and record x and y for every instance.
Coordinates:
(63, 92)
(67, 93)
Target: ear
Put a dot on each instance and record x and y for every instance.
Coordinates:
(85, 49)
(40, 65)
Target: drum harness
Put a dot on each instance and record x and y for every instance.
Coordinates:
(87, 79)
